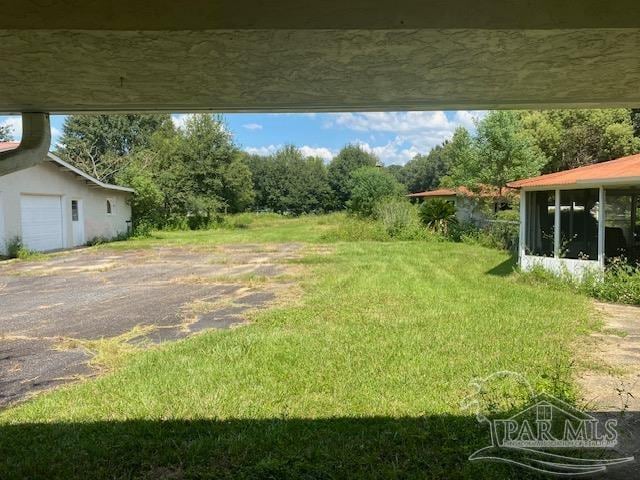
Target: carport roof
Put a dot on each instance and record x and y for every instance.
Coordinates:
(6, 146)
(622, 171)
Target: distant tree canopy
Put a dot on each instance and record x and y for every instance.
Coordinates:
(190, 174)
(6, 133)
(509, 145)
(287, 182)
(348, 160)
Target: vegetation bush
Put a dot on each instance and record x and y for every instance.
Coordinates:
(501, 233)
(14, 247)
(438, 215)
(353, 229)
(504, 232)
(619, 284)
(399, 219)
(142, 229)
(369, 186)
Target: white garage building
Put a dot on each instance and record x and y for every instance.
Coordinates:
(53, 205)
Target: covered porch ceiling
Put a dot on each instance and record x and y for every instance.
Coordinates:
(64, 56)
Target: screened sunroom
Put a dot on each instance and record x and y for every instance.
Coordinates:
(580, 219)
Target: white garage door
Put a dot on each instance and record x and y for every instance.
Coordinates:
(41, 222)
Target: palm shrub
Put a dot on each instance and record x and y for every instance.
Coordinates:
(438, 215)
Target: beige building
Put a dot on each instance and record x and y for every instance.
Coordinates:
(53, 205)
(471, 207)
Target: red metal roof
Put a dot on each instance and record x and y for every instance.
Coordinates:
(623, 169)
(441, 192)
(4, 146)
(484, 191)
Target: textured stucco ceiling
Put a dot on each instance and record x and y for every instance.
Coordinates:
(343, 56)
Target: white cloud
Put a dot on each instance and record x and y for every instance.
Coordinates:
(324, 153)
(395, 152)
(321, 152)
(179, 119)
(415, 132)
(252, 126)
(265, 150)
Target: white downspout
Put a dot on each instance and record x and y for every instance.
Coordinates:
(34, 146)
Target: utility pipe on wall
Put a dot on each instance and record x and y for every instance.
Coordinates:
(34, 146)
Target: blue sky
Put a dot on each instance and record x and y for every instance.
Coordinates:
(395, 137)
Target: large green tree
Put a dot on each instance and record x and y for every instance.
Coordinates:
(237, 186)
(197, 170)
(101, 145)
(502, 151)
(572, 138)
(348, 160)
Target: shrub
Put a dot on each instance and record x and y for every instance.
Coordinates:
(438, 215)
(142, 229)
(504, 232)
(99, 240)
(353, 229)
(239, 221)
(399, 219)
(621, 283)
(370, 185)
(464, 232)
(14, 247)
(501, 233)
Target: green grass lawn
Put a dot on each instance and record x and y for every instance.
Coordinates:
(362, 378)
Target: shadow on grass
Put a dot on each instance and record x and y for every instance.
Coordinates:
(436, 446)
(378, 447)
(505, 268)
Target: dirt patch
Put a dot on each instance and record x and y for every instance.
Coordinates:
(613, 382)
(54, 311)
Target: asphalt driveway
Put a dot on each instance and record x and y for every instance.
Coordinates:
(89, 294)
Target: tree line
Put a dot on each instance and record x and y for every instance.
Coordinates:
(187, 176)
(510, 145)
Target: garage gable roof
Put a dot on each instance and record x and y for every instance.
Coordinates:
(6, 146)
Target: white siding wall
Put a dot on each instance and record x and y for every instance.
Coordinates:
(48, 179)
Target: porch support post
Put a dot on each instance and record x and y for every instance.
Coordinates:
(556, 226)
(601, 226)
(523, 224)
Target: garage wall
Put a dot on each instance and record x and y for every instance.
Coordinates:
(48, 179)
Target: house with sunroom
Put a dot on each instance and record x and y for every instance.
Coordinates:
(53, 205)
(580, 219)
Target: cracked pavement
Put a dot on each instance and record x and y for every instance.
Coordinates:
(92, 294)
